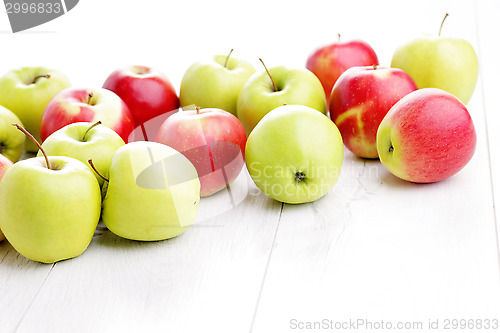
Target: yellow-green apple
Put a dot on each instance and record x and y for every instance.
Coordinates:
(49, 207)
(11, 139)
(330, 61)
(153, 192)
(215, 82)
(26, 92)
(147, 92)
(360, 99)
(85, 141)
(275, 87)
(426, 137)
(294, 154)
(440, 62)
(87, 105)
(5, 164)
(212, 139)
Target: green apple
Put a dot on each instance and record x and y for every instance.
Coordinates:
(85, 141)
(281, 85)
(294, 154)
(215, 83)
(446, 63)
(11, 139)
(153, 192)
(27, 91)
(49, 214)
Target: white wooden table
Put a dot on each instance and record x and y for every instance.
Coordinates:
(375, 248)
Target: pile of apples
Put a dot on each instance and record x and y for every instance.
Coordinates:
(126, 155)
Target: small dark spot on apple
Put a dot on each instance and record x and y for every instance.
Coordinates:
(391, 148)
(299, 176)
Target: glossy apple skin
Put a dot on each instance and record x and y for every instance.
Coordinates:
(147, 92)
(289, 141)
(99, 144)
(330, 61)
(5, 164)
(11, 139)
(426, 137)
(360, 99)
(213, 140)
(295, 86)
(153, 192)
(440, 62)
(208, 84)
(49, 215)
(28, 100)
(72, 105)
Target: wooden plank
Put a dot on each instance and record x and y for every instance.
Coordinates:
(379, 248)
(186, 284)
(20, 281)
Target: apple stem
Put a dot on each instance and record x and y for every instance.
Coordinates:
(197, 110)
(441, 27)
(90, 97)
(28, 134)
(96, 171)
(91, 127)
(339, 37)
(375, 66)
(268, 73)
(47, 76)
(144, 133)
(227, 58)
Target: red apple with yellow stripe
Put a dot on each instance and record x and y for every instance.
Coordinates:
(360, 99)
(426, 137)
(212, 139)
(73, 105)
(330, 61)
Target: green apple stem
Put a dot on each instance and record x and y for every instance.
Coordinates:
(268, 73)
(227, 58)
(28, 134)
(91, 127)
(47, 76)
(97, 171)
(441, 27)
(90, 98)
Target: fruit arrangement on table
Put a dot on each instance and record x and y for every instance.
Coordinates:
(111, 154)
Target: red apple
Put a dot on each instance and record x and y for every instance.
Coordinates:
(329, 62)
(212, 139)
(87, 105)
(147, 92)
(360, 99)
(5, 163)
(426, 137)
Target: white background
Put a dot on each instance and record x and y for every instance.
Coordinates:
(98, 36)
